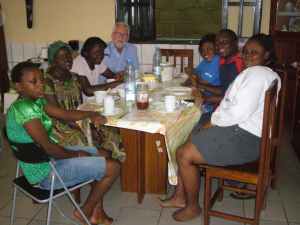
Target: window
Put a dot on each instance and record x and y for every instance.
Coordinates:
(186, 21)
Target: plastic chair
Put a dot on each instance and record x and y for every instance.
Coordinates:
(35, 153)
(255, 173)
(182, 53)
(276, 144)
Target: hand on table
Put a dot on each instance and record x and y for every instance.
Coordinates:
(98, 120)
(205, 125)
(186, 83)
(198, 94)
(119, 76)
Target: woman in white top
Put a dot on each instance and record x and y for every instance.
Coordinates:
(89, 66)
(233, 135)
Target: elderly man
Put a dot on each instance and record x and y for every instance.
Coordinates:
(119, 50)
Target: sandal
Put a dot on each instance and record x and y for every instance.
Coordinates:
(241, 195)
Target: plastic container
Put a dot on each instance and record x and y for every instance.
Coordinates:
(149, 78)
(129, 83)
(156, 64)
(166, 71)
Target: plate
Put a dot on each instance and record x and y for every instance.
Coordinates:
(179, 90)
(116, 111)
(184, 75)
(92, 100)
(160, 106)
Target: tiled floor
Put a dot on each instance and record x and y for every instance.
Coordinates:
(283, 205)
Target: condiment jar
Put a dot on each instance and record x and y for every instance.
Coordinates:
(166, 71)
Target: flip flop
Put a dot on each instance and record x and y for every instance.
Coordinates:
(241, 196)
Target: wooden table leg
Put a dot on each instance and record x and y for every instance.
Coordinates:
(145, 169)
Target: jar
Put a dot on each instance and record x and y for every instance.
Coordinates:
(166, 71)
(142, 94)
(149, 78)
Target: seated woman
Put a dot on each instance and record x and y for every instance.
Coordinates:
(28, 121)
(63, 89)
(89, 66)
(233, 135)
(206, 73)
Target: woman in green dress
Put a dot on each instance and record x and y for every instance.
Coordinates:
(64, 89)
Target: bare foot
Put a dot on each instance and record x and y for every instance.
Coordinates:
(172, 202)
(100, 218)
(185, 214)
(78, 216)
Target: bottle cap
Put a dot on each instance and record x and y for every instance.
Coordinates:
(129, 60)
(157, 48)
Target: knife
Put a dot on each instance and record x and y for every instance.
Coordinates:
(125, 114)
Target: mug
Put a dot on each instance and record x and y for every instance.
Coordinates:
(99, 95)
(109, 104)
(170, 103)
(44, 53)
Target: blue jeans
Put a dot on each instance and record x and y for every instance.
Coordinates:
(76, 170)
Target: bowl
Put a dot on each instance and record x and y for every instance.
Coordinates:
(121, 90)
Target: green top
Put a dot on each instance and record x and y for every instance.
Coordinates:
(20, 112)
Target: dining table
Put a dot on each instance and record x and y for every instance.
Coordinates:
(150, 137)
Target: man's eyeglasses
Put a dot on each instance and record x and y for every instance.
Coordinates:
(121, 34)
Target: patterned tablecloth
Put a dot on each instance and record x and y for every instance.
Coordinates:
(175, 126)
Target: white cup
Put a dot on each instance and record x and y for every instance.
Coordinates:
(170, 103)
(99, 95)
(110, 80)
(109, 104)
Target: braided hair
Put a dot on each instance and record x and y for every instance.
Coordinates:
(267, 43)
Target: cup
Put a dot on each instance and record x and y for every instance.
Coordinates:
(170, 103)
(110, 80)
(99, 95)
(109, 104)
(142, 93)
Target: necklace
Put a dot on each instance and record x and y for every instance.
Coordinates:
(66, 83)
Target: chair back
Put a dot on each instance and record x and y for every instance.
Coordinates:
(182, 53)
(268, 131)
(28, 152)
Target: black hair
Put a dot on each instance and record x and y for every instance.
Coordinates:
(267, 43)
(231, 33)
(90, 42)
(16, 72)
(207, 38)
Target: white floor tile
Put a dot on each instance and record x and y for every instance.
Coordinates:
(4, 200)
(24, 208)
(149, 202)
(269, 222)
(289, 193)
(116, 198)
(229, 205)
(292, 210)
(274, 210)
(41, 222)
(5, 220)
(130, 216)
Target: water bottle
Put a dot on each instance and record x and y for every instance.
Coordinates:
(129, 82)
(156, 64)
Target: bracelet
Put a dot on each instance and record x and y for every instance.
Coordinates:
(78, 153)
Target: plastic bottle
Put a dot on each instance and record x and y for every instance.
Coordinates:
(156, 64)
(129, 82)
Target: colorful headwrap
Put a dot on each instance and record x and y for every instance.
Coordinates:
(53, 48)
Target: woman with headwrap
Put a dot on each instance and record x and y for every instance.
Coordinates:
(64, 89)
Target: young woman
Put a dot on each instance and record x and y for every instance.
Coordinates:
(233, 135)
(28, 120)
(64, 89)
(89, 66)
(207, 72)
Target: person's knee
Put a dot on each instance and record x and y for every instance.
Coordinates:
(113, 167)
(183, 154)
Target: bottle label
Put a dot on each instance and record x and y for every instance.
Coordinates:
(142, 98)
(130, 91)
(157, 70)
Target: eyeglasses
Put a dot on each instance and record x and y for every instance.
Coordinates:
(121, 34)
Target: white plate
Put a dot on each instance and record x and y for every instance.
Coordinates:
(116, 111)
(178, 90)
(160, 107)
(184, 75)
(92, 100)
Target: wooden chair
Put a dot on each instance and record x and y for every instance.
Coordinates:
(255, 173)
(182, 53)
(276, 143)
